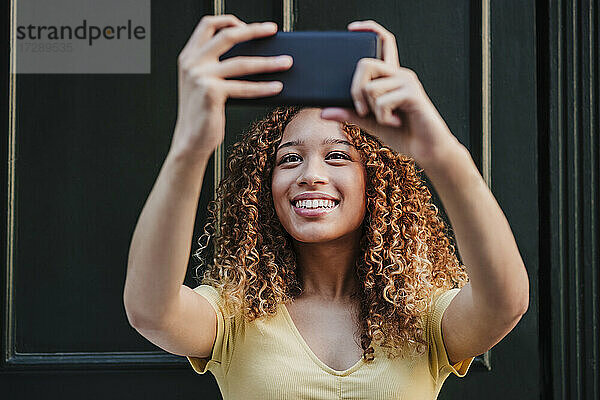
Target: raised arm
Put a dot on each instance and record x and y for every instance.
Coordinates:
(403, 117)
(497, 295)
(157, 304)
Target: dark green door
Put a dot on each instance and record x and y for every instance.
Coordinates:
(82, 153)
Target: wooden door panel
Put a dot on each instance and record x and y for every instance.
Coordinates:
(86, 149)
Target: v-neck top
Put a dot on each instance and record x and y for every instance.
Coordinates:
(283, 309)
(269, 359)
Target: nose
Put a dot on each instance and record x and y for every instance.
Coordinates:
(312, 172)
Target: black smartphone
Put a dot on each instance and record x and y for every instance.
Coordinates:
(323, 67)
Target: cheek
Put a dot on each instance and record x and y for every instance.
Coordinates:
(278, 191)
(354, 186)
(359, 192)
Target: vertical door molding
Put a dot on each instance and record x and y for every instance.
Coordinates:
(12, 360)
(486, 117)
(569, 254)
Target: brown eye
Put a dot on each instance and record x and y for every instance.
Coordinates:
(345, 156)
(286, 158)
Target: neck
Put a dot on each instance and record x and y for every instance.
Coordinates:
(328, 269)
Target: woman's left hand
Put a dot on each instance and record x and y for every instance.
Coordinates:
(403, 116)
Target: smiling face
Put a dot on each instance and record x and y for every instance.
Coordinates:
(313, 159)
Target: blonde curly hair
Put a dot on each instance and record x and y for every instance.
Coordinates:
(405, 256)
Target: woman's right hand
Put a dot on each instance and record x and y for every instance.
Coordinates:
(203, 89)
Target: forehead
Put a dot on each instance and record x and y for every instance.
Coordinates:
(308, 123)
(308, 129)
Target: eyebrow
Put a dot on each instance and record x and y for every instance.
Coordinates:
(330, 140)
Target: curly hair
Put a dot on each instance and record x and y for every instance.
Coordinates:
(405, 253)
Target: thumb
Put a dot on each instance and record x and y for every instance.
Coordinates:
(348, 115)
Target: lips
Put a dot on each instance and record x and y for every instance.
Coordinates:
(314, 196)
(313, 212)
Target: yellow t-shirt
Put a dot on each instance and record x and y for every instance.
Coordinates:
(268, 359)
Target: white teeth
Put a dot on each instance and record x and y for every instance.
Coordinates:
(317, 203)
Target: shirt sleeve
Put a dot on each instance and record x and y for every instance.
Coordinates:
(218, 362)
(438, 357)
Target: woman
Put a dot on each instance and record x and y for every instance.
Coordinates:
(332, 274)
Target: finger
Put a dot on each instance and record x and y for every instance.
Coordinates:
(377, 87)
(251, 89)
(227, 38)
(242, 65)
(348, 115)
(360, 76)
(389, 46)
(390, 103)
(209, 24)
(367, 69)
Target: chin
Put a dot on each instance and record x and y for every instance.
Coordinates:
(315, 235)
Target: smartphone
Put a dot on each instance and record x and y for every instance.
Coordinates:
(323, 67)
